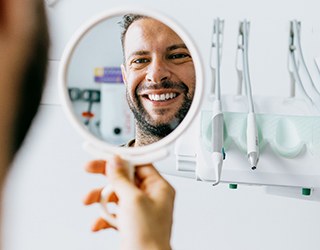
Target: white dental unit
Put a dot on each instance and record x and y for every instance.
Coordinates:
(232, 192)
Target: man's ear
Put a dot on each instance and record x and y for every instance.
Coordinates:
(124, 73)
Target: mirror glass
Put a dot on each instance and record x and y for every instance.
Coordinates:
(131, 80)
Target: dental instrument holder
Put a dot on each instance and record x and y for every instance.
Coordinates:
(306, 87)
(289, 134)
(290, 143)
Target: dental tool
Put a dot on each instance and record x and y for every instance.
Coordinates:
(239, 66)
(317, 63)
(293, 67)
(218, 154)
(307, 87)
(252, 131)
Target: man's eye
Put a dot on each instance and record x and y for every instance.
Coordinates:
(140, 60)
(179, 56)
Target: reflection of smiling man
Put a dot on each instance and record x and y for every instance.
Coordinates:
(159, 75)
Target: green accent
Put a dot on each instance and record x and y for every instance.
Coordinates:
(223, 153)
(233, 186)
(306, 191)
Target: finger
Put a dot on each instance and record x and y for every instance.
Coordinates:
(95, 196)
(148, 175)
(146, 171)
(118, 175)
(100, 224)
(151, 182)
(96, 167)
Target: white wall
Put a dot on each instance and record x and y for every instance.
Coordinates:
(43, 208)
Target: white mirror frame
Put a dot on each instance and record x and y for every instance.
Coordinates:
(102, 146)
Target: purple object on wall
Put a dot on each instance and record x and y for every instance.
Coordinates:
(108, 75)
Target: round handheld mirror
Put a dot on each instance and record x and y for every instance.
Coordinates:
(131, 82)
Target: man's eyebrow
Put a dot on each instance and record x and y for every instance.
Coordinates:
(177, 46)
(139, 53)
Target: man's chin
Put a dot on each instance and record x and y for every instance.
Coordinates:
(165, 117)
(171, 123)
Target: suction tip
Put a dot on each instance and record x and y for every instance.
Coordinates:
(253, 160)
(216, 183)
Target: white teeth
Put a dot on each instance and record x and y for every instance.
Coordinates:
(162, 97)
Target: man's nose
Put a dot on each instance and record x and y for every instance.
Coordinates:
(158, 71)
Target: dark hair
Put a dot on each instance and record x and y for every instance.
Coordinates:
(127, 20)
(33, 78)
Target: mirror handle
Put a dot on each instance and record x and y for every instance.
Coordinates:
(105, 197)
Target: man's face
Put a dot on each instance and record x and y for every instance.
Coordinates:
(159, 75)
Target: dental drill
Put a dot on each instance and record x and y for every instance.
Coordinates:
(307, 87)
(252, 131)
(218, 154)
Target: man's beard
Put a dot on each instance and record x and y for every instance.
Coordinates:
(146, 123)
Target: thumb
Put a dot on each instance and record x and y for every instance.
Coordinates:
(119, 177)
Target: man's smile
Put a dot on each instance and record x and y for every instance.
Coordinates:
(162, 94)
(162, 97)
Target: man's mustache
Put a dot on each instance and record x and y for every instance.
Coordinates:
(179, 86)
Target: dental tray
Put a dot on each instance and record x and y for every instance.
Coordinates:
(288, 136)
(289, 150)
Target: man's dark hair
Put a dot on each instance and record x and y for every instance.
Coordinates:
(127, 20)
(33, 79)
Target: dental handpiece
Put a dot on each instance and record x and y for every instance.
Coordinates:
(252, 141)
(252, 131)
(218, 154)
(217, 140)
